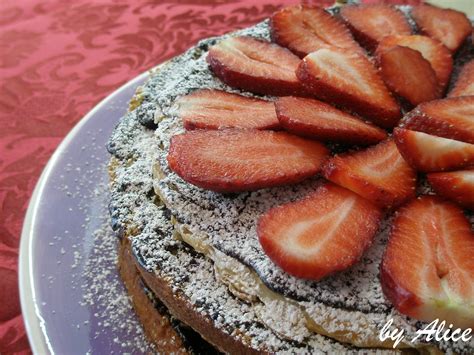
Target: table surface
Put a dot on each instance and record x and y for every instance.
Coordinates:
(58, 59)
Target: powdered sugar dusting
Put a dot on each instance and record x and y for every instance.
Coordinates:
(91, 299)
(105, 295)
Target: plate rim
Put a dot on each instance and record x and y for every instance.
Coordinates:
(34, 324)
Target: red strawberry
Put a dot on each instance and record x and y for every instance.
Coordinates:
(429, 153)
(427, 271)
(465, 84)
(215, 109)
(370, 23)
(254, 65)
(448, 26)
(350, 80)
(318, 120)
(323, 233)
(432, 50)
(243, 160)
(456, 185)
(449, 118)
(409, 75)
(303, 29)
(377, 173)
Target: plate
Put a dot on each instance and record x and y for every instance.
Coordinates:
(71, 297)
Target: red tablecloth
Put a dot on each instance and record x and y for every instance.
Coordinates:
(58, 59)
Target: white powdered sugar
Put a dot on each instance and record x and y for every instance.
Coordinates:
(104, 294)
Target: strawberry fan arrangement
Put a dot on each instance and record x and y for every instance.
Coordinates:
(360, 99)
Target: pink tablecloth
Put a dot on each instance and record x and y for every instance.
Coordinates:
(60, 58)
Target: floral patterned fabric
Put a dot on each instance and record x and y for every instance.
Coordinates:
(58, 59)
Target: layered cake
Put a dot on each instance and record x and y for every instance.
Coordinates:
(304, 186)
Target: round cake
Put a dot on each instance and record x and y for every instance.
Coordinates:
(265, 202)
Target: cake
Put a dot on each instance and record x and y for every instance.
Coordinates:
(200, 254)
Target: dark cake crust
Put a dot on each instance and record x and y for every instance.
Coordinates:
(156, 323)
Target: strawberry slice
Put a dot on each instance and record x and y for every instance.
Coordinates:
(432, 50)
(427, 271)
(448, 26)
(348, 79)
(316, 119)
(303, 29)
(256, 66)
(323, 233)
(429, 153)
(370, 23)
(408, 74)
(464, 85)
(456, 185)
(215, 109)
(377, 173)
(243, 160)
(449, 118)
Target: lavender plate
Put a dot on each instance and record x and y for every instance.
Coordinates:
(72, 299)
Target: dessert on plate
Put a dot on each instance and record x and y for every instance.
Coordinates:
(300, 184)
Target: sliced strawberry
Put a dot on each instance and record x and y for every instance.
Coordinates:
(350, 80)
(465, 84)
(303, 29)
(456, 185)
(254, 65)
(427, 271)
(243, 160)
(370, 23)
(432, 50)
(377, 173)
(316, 119)
(408, 74)
(448, 26)
(323, 233)
(449, 118)
(215, 109)
(429, 153)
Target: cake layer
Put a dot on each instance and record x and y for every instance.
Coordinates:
(349, 307)
(167, 333)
